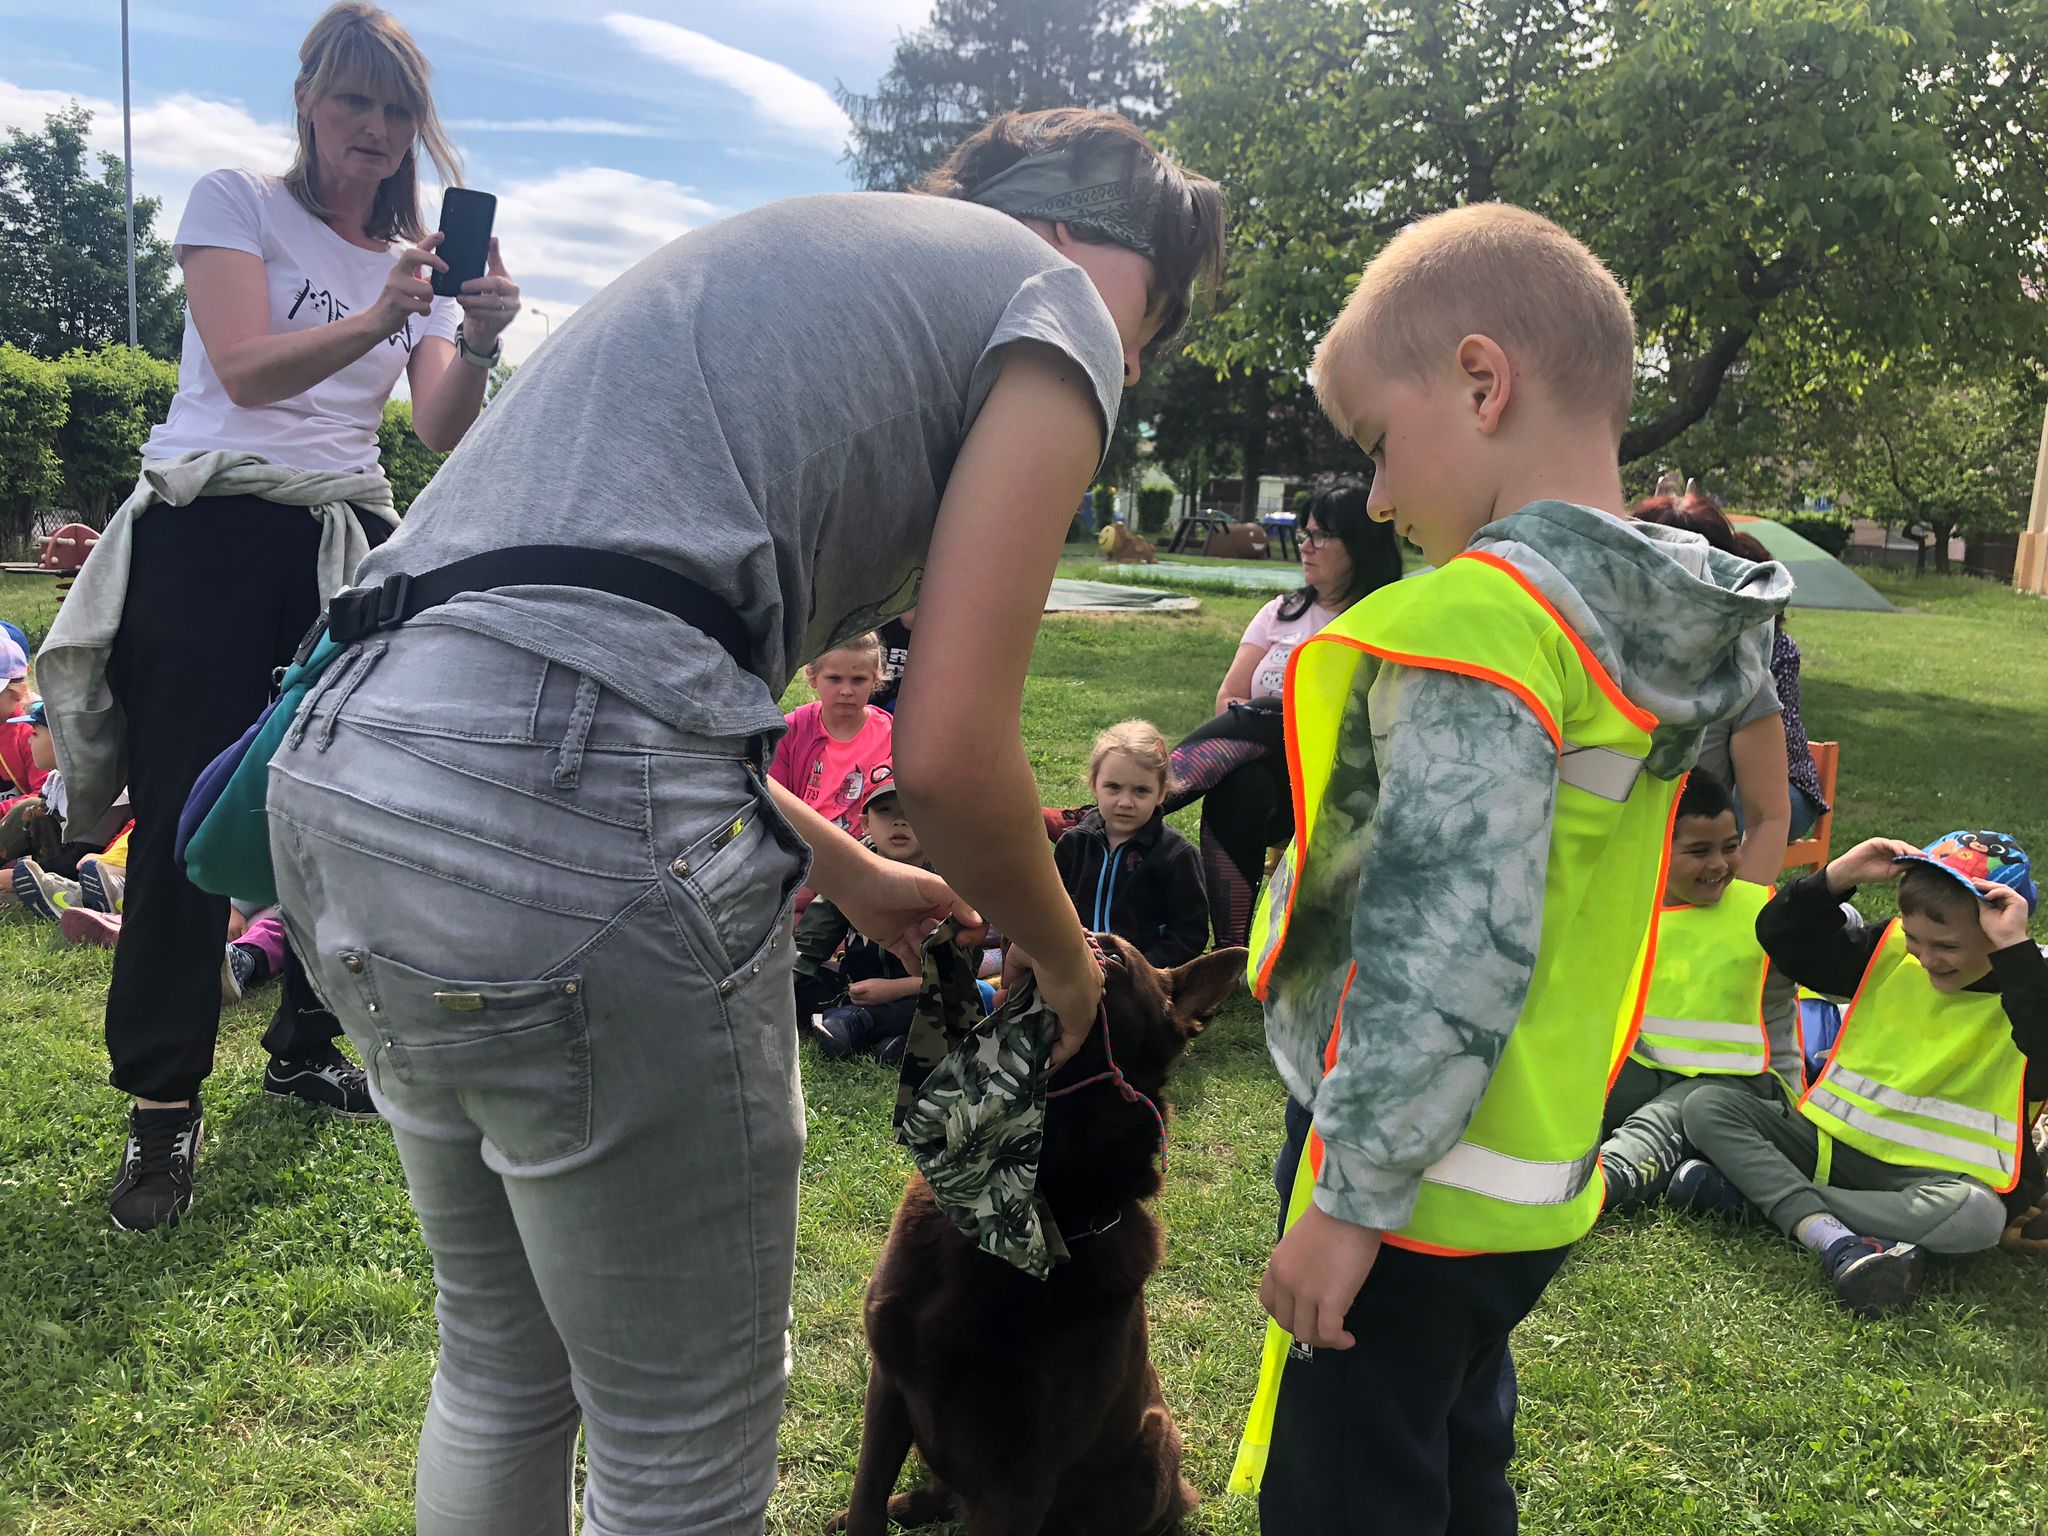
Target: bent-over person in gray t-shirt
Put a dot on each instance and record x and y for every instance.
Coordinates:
(522, 837)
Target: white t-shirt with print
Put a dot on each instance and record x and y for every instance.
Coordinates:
(315, 278)
(1278, 637)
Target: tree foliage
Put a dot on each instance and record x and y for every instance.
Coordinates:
(117, 395)
(63, 248)
(32, 408)
(1931, 445)
(1777, 182)
(408, 463)
(977, 58)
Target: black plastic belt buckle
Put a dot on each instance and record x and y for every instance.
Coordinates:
(362, 611)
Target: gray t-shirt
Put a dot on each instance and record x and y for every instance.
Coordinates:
(770, 405)
(1715, 754)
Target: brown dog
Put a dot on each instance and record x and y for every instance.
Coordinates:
(1034, 1403)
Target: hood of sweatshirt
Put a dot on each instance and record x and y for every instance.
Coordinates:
(1683, 629)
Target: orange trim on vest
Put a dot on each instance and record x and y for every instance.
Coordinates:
(1315, 1139)
(1395, 1240)
(1883, 938)
(1635, 1023)
(1635, 714)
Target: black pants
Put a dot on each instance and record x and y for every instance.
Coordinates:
(1410, 1431)
(219, 595)
(1245, 811)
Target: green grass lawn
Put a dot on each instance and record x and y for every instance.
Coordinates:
(264, 1367)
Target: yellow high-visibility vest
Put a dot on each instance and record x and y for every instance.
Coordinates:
(1705, 1013)
(1524, 1174)
(1921, 1078)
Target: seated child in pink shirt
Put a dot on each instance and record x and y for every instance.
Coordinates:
(833, 745)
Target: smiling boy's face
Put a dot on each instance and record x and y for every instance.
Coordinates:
(1704, 851)
(1953, 949)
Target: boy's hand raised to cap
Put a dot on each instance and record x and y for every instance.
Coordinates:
(1869, 863)
(2004, 914)
(1315, 1275)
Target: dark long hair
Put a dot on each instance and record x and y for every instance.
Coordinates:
(1338, 506)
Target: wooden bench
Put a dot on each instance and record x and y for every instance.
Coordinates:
(1811, 851)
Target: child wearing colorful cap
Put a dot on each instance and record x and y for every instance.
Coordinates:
(865, 1003)
(1914, 1137)
(1718, 1011)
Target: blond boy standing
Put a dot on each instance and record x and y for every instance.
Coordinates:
(1451, 955)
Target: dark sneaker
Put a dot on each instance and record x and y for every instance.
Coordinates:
(155, 1185)
(1629, 1185)
(1874, 1276)
(329, 1080)
(1698, 1186)
(828, 1033)
(238, 972)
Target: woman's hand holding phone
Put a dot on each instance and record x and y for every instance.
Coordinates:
(488, 302)
(406, 293)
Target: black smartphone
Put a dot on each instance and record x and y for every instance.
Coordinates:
(466, 218)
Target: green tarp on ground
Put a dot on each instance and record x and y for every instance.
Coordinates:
(1069, 596)
(1268, 578)
(1819, 580)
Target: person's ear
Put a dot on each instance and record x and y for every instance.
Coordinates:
(1488, 378)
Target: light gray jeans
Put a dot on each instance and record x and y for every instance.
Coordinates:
(557, 930)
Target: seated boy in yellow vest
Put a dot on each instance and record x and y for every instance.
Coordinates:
(1914, 1135)
(1489, 755)
(1718, 1010)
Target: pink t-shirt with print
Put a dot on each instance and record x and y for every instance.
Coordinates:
(1278, 637)
(830, 775)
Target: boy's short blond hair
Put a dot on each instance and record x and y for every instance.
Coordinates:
(1139, 740)
(1491, 269)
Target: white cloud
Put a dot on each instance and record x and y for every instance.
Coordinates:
(580, 228)
(181, 132)
(573, 125)
(178, 138)
(780, 97)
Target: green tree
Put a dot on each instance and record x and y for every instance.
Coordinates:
(63, 248)
(1933, 446)
(977, 58)
(408, 463)
(117, 395)
(1814, 178)
(32, 409)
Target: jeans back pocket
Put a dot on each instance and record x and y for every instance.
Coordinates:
(514, 1054)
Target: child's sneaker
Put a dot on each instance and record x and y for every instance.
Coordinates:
(238, 972)
(101, 887)
(1629, 1184)
(82, 925)
(1874, 1276)
(1698, 1186)
(44, 894)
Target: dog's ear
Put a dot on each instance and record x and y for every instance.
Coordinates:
(1199, 988)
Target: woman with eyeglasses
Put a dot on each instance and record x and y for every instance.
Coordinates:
(1236, 765)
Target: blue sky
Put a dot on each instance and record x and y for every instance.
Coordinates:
(605, 129)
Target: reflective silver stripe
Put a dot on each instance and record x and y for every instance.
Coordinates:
(1716, 1061)
(1599, 771)
(1998, 1160)
(1516, 1180)
(1698, 1029)
(1934, 1109)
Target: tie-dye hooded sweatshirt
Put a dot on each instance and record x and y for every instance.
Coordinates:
(1428, 854)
